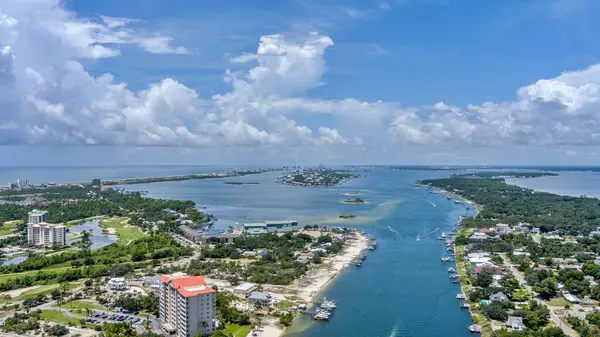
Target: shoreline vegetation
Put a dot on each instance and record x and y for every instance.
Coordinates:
(548, 228)
(316, 177)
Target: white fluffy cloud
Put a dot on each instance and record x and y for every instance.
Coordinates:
(48, 96)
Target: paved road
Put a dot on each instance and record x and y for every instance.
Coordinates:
(553, 316)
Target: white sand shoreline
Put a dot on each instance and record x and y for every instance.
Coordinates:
(309, 286)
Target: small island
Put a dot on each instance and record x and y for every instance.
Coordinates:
(354, 201)
(316, 177)
(347, 216)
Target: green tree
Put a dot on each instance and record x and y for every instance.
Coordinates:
(485, 278)
(547, 288)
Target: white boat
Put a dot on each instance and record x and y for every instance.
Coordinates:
(465, 305)
(418, 238)
(474, 328)
(460, 296)
(328, 305)
(451, 270)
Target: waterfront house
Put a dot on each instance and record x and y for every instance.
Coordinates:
(515, 323)
(259, 297)
(304, 259)
(498, 297)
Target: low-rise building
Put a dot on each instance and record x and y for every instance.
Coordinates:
(515, 323)
(498, 297)
(117, 283)
(259, 299)
(572, 298)
(479, 236)
(245, 289)
(282, 226)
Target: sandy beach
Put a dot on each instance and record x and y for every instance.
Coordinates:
(311, 284)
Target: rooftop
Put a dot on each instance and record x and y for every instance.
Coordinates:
(187, 286)
(259, 295)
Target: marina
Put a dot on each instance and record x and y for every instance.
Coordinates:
(325, 310)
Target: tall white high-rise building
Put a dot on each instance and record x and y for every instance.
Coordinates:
(37, 216)
(46, 234)
(41, 233)
(187, 305)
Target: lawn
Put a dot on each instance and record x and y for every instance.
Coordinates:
(125, 233)
(558, 302)
(47, 289)
(58, 317)
(238, 330)
(80, 304)
(4, 277)
(9, 227)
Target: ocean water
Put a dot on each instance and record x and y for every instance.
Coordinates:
(402, 289)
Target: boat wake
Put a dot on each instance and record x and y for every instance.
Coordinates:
(394, 331)
(432, 204)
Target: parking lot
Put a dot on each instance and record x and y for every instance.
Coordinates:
(102, 317)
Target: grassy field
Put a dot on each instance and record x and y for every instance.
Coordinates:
(238, 330)
(4, 277)
(80, 304)
(125, 233)
(58, 317)
(9, 227)
(558, 302)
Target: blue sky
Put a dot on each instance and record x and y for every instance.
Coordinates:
(398, 81)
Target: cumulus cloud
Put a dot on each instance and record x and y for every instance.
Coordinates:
(48, 96)
(557, 111)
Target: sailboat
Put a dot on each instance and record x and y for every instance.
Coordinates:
(418, 238)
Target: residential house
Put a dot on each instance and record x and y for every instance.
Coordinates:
(515, 323)
(245, 289)
(479, 236)
(498, 297)
(259, 297)
(572, 298)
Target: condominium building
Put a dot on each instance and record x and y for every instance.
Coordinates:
(46, 234)
(187, 305)
(37, 216)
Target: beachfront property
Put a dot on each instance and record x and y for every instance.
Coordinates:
(187, 305)
(41, 233)
(271, 227)
(259, 299)
(117, 283)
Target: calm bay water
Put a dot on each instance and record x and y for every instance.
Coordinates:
(401, 290)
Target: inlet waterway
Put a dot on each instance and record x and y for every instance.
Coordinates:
(402, 289)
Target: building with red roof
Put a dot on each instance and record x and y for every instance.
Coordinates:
(187, 305)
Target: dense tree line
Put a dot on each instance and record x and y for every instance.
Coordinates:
(151, 247)
(512, 204)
